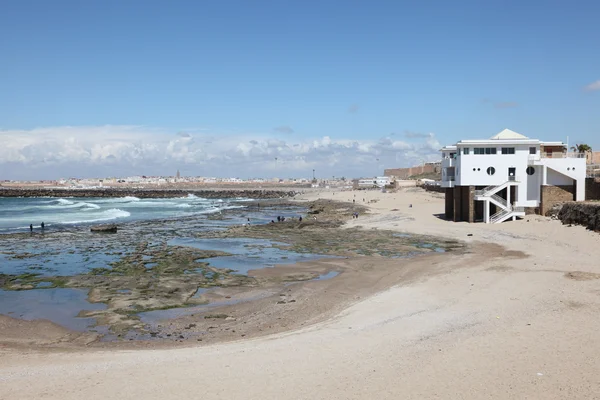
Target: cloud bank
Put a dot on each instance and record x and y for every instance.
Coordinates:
(102, 151)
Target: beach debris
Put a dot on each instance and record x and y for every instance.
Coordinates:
(469, 234)
(108, 228)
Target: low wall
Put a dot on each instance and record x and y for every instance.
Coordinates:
(581, 213)
(553, 195)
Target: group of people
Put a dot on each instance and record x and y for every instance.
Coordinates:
(282, 219)
(31, 227)
(354, 215)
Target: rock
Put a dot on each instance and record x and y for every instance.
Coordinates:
(110, 228)
(581, 213)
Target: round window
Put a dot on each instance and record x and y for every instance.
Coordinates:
(530, 170)
(491, 171)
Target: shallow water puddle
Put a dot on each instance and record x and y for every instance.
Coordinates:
(60, 306)
(248, 254)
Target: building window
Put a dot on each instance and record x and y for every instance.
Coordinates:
(508, 150)
(466, 151)
(484, 150)
(530, 170)
(491, 170)
(532, 151)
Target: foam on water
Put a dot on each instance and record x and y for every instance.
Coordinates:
(17, 214)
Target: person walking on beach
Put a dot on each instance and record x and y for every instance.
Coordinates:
(30, 227)
(42, 224)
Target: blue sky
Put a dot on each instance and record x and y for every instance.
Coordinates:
(225, 87)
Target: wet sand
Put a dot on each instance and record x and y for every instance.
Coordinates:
(513, 317)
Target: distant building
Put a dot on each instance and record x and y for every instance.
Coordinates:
(178, 174)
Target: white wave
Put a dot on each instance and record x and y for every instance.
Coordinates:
(126, 199)
(105, 215)
(89, 205)
(65, 202)
(183, 206)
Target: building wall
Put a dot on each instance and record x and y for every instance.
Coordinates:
(551, 195)
(404, 173)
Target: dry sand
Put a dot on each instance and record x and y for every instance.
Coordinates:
(501, 327)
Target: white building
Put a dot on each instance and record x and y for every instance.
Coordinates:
(496, 179)
(380, 181)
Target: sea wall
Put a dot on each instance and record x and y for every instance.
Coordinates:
(146, 193)
(581, 213)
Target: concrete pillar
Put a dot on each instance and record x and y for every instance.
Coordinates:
(470, 197)
(457, 204)
(450, 203)
(486, 211)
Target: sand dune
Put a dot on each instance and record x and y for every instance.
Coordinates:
(519, 321)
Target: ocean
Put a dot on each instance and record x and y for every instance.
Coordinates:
(16, 214)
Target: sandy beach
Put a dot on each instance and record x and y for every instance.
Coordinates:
(513, 317)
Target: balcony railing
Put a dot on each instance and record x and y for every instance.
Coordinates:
(562, 155)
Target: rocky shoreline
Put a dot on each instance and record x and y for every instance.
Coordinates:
(147, 193)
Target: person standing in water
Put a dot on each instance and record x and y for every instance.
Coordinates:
(42, 224)
(30, 227)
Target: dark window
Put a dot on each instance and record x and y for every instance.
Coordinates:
(491, 170)
(466, 150)
(532, 150)
(530, 170)
(508, 150)
(452, 155)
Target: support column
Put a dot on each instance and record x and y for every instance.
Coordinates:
(457, 204)
(471, 199)
(449, 203)
(486, 211)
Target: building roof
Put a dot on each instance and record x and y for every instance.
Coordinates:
(508, 134)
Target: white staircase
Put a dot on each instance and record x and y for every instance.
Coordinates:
(506, 211)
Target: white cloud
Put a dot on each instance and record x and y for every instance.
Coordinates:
(593, 86)
(46, 153)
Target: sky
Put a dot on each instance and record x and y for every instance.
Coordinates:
(279, 88)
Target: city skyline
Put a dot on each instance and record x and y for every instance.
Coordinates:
(236, 89)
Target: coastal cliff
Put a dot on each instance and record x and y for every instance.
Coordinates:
(581, 213)
(146, 193)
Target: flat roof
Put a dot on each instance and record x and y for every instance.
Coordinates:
(496, 142)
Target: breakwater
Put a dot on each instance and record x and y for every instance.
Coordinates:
(145, 193)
